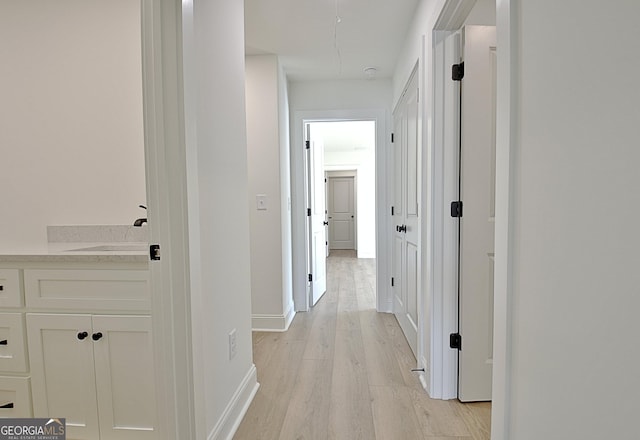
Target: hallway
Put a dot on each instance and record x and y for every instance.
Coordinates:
(342, 371)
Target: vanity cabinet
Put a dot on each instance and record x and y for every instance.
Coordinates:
(76, 342)
(95, 370)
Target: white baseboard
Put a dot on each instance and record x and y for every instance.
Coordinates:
(272, 323)
(425, 376)
(237, 407)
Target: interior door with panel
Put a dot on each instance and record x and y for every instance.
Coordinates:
(342, 213)
(477, 192)
(406, 214)
(317, 219)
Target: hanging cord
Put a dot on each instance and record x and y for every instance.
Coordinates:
(335, 37)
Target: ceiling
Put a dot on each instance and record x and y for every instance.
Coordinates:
(329, 39)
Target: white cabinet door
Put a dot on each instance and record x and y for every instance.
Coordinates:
(96, 371)
(124, 377)
(62, 373)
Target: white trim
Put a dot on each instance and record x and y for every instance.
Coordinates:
(506, 133)
(166, 196)
(237, 407)
(298, 208)
(272, 323)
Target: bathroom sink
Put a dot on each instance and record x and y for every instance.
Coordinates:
(121, 247)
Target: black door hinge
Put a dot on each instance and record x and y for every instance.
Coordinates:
(457, 72)
(393, 282)
(310, 278)
(154, 252)
(455, 341)
(308, 212)
(456, 209)
(307, 144)
(392, 138)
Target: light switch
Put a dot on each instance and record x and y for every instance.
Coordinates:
(261, 202)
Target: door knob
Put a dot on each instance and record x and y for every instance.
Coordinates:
(82, 335)
(96, 336)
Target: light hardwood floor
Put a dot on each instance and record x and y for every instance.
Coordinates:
(343, 371)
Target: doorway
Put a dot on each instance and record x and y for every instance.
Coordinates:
(351, 141)
(337, 152)
(467, 109)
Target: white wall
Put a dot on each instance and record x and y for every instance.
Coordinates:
(572, 264)
(71, 116)
(268, 159)
(219, 228)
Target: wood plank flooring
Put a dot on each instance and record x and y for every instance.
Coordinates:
(342, 371)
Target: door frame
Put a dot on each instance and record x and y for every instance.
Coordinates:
(452, 14)
(334, 172)
(299, 210)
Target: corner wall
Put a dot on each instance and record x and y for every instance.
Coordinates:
(219, 226)
(268, 171)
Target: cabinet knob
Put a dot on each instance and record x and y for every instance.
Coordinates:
(82, 335)
(7, 405)
(96, 336)
(4, 342)
(1, 287)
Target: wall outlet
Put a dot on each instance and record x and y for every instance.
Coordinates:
(233, 347)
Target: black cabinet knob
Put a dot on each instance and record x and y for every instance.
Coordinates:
(96, 336)
(325, 223)
(82, 335)
(7, 406)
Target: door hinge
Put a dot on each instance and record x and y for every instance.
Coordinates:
(310, 278)
(392, 138)
(307, 144)
(308, 212)
(392, 211)
(455, 341)
(154, 252)
(457, 72)
(456, 209)
(393, 282)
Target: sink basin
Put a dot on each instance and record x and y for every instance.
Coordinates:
(124, 247)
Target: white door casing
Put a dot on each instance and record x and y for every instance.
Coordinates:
(342, 212)
(477, 190)
(405, 218)
(316, 218)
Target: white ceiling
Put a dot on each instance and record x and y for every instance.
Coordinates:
(314, 44)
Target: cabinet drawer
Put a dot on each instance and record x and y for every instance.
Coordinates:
(12, 343)
(87, 289)
(10, 288)
(15, 397)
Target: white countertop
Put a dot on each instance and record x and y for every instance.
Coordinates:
(79, 252)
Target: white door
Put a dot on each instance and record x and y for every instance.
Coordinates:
(342, 213)
(477, 190)
(405, 217)
(124, 377)
(62, 372)
(317, 219)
